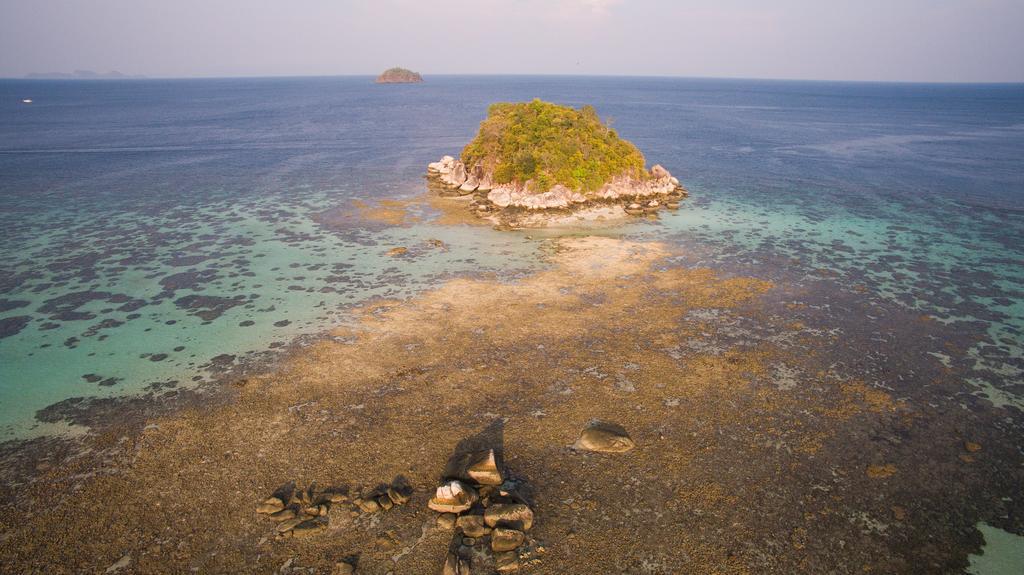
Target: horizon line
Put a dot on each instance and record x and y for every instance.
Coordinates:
(143, 78)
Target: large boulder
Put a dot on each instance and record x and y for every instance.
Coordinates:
(501, 197)
(458, 175)
(604, 437)
(660, 172)
(470, 185)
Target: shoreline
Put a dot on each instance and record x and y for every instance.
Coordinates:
(396, 390)
(514, 206)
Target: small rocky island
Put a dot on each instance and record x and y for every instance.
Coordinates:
(536, 163)
(399, 76)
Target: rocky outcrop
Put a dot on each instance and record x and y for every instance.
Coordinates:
(636, 196)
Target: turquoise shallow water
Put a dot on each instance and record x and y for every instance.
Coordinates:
(155, 232)
(240, 278)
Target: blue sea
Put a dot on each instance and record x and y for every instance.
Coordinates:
(155, 233)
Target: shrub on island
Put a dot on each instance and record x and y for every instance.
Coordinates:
(538, 156)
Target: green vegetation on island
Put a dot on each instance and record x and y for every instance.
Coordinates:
(548, 144)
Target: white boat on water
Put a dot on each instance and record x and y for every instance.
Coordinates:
(26, 101)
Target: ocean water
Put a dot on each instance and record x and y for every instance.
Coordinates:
(156, 232)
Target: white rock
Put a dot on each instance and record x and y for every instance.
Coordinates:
(458, 175)
(120, 564)
(470, 185)
(453, 497)
(500, 197)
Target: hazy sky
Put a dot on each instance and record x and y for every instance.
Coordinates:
(919, 40)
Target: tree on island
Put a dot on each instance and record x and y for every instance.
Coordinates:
(547, 144)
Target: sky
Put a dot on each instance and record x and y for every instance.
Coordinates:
(874, 40)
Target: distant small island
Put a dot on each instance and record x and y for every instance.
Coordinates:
(82, 75)
(534, 163)
(399, 76)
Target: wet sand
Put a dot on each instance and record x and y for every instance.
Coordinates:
(757, 450)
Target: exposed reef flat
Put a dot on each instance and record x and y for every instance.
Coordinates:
(750, 447)
(537, 164)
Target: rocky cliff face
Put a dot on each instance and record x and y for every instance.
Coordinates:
(399, 76)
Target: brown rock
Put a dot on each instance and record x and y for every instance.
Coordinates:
(514, 515)
(453, 565)
(881, 471)
(310, 526)
(399, 251)
(284, 514)
(604, 437)
(335, 497)
(399, 494)
(343, 568)
(368, 505)
(484, 470)
(270, 505)
(506, 561)
(289, 524)
(473, 525)
(447, 521)
(503, 539)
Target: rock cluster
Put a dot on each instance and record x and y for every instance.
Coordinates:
(637, 195)
(454, 175)
(488, 514)
(302, 512)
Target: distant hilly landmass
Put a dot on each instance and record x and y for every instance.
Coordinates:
(82, 75)
(399, 76)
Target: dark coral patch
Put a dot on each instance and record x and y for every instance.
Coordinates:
(65, 307)
(208, 308)
(9, 304)
(12, 325)
(188, 280)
